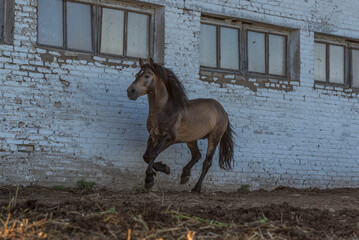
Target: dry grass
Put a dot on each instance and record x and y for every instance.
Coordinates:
(22, 229)
(18, 225)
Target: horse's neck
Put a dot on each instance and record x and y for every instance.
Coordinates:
(157, 100)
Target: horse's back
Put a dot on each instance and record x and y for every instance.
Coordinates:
(207, 106)
(211, 103)
(199, 118)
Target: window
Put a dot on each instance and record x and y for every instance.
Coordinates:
(95, 29)
(137, 32)
(224, 55)
(2, 18)
(208, 47)
(355, 67)
(50, 22)
(112, 31)
(256, 52)
(229, 49)
(242, 48)
(336, 62)
(115, 41)
(79, 29)
(266, 53)
(329, 63)
(320, 62)
(6, 21)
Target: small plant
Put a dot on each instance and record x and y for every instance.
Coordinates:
(111, 210)
(184, 216)
(85, 185)
(59, 187)
(244, 188)
(263, 219)
(142, 189)
(13, 200)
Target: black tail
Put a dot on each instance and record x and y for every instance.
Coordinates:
(226, 149)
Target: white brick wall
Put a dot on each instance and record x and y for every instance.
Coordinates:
(66, 118)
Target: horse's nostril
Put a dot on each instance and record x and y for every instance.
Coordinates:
(132, 90)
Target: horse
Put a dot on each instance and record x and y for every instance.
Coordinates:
(173, 118)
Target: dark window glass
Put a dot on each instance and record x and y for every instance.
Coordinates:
(112, 31)
(336, 64)
(50, 22)
(79, 33)
(137, 35)
(277, 54)
(320, 56)
(355, 66)
(208, 46)
(229, 48)
(256, 52)
(1, 19)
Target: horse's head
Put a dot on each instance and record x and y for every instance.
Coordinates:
(144, 83)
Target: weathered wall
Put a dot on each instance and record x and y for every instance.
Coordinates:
(66, 117)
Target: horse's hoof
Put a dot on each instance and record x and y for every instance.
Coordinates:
(167, 170)
(196, 190)
(184, 179)
(149, 185)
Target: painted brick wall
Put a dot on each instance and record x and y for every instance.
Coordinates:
(65, 116)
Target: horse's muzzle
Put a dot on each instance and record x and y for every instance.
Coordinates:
(131, 93)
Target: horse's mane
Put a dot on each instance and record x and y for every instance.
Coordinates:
(176, 92)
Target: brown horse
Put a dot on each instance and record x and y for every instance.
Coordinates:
(174, 119)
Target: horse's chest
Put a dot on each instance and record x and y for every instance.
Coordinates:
(155, 129)
(161, 125)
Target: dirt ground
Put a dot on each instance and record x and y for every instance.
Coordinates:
(46, 213)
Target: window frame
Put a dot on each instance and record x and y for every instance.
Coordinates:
(351, 46)
(93, 12)
(125, 28)
(218, 45)
(243, 29)
(96, 28)
(347, 62)
(2, 25)
(266, 33)
(7, 27)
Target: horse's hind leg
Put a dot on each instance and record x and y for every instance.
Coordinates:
(212, 145)
(196, 156)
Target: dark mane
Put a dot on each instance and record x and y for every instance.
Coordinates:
(177, 93)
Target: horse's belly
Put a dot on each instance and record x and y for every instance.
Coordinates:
(192, 133)
(187, 138)
(199, 119)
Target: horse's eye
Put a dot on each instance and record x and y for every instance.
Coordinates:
(147, 76)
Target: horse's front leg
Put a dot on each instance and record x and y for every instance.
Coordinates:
(157, 166)
(163, 143)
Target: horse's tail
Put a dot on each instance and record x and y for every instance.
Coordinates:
(226, 149)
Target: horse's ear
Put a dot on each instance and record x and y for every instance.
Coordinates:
(152, 63)
(141, 62)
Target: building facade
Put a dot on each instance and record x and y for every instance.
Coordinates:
(286, 71)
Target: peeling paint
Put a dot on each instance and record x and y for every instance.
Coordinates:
(252, 83)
